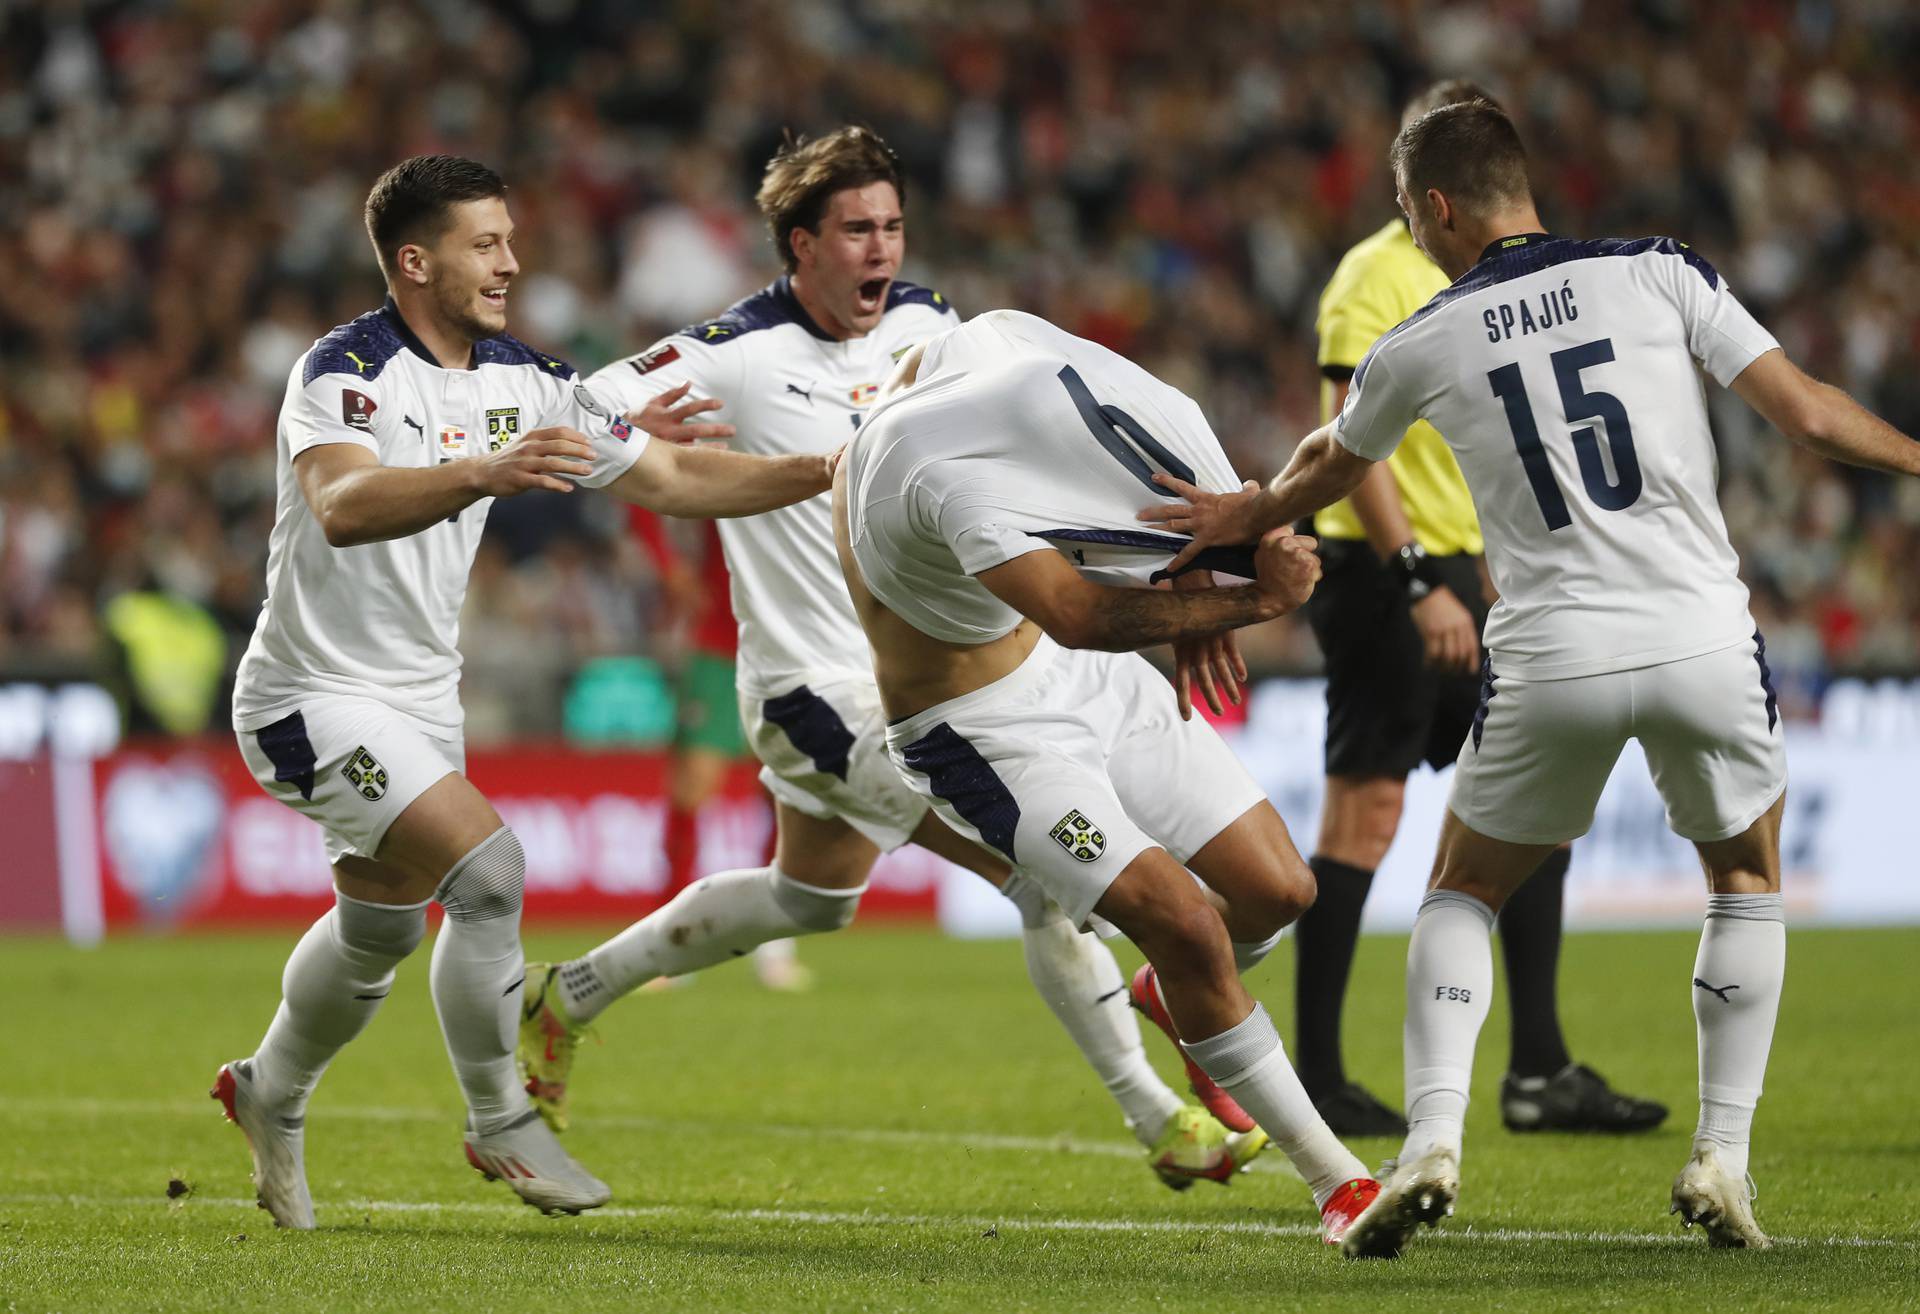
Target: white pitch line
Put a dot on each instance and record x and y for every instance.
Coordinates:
(869, 1218)
(625, 1122)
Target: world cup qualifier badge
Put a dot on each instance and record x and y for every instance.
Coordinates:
(364, 772)
(1078, 836)
(503, 426)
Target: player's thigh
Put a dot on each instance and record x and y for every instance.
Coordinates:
(1469, 862)
(1254, 866)
(356, 767)
(1033, 789)
(425, 842)
(936, 836)
(1711, 730)
(1538, 754)
(823, 754)
(1177, 779)
(820, 851)
(1747, 863)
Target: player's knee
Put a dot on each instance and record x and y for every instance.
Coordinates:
(813, 908)
(490, 882)
(378, 931)
(1187, 934)
(1277, 902)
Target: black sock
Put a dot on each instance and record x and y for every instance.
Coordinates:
(1530, 944)
(1323, 943)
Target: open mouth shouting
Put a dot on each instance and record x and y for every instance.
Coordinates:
(870, 297)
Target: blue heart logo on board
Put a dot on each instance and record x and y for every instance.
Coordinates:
(162, 821)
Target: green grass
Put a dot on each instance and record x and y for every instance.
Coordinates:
(915, 1134)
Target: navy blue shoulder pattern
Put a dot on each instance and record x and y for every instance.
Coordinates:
(361, 347)
(770, 307)
(509, 350)
(1516, 257)
(902, 293)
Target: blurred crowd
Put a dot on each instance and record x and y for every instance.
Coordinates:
(181, 182)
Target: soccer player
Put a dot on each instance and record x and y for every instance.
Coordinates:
(1398, 616)
(707, 736)
(984, 526)
(798, 365)
(396, 433)
(1562, 373)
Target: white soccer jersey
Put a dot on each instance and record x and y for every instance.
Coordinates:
(787, 387)
(1561, 373)
(1018, 436)
(382, 620)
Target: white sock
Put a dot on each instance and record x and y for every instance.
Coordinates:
(713, 920)
(1251, 1065)
(1736, 997)
(478, 972)
(1249, 954)
(335, 979)
(1449, 990)
(1076, 976)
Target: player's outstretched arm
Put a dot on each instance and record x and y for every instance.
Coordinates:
(357, 500)
(1822, 418)
(1321, 472)
(1077, 613)
(710, 483)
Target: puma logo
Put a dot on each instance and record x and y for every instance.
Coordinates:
(795, 389)
(421, 428)
(358, 364)
(1117, 990)
(1721, 991)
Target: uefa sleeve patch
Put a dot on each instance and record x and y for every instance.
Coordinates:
(664, 354)
(356, 410)
(1079, 837)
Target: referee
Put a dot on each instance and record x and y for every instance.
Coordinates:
(1398, 615)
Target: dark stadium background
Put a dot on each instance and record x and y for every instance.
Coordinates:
(180, 187)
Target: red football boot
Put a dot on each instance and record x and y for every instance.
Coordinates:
(1345, 1205)
(1145, 994)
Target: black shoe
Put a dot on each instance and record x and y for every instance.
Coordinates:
(1577, 1099)
(1352, 1110)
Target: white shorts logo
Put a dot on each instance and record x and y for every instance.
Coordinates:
(1077, 836)
(364, 772)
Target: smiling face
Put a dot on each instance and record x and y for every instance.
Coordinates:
(466, 270)
(842, 269)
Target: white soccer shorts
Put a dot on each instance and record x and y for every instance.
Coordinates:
(1072, 766)
(351, 764)
(823, 752)
(1540, 751)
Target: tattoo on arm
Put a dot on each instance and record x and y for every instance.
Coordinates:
(1126, 619)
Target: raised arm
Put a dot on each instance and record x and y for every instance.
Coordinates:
(1822, 418)
(1077, 613)
(357, 500)
(708, 482)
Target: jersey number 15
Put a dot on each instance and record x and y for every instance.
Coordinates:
(1615, 494)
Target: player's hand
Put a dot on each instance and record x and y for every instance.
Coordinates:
(1215, 662)
(670, 419)
(1446, 627)
(833, 459)
(1210, 518)
(550, 459)
(1286, 568)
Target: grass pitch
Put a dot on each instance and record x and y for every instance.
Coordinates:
(915, 1134)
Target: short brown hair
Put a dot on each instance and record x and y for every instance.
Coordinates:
(804, 174)
(1469, 152)
(1447, 91)
(413, 201)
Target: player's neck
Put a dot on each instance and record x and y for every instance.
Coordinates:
(1475, 238)
(448, 346)
(818, 311)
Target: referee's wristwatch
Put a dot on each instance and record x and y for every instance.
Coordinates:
(1415, 571)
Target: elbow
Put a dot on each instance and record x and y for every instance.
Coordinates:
(339, 529)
